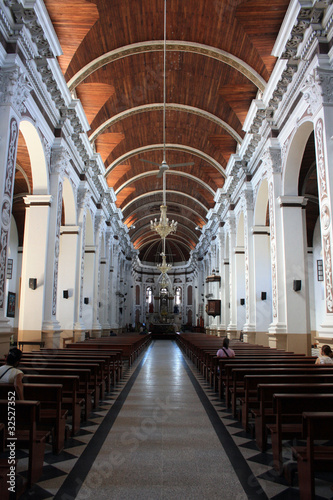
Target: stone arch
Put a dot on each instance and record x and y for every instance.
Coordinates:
(39, 167)
(261, 204)
(69, 203)
(36, 234)
(294, 157)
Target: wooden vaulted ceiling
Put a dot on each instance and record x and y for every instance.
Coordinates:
(218, 56)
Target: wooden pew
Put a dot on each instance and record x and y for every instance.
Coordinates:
(94, 379)
(113, 360)
(71, 401)
(265, 360)
(28, 437)
(263, 415)
(313, 457)
(131, 345)
(84, 380)
(288, 409)
(238, 373)
(52, 417)
(214, 365)
(97, 381)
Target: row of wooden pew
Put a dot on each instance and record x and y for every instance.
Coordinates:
(61, 389)
(277, 396)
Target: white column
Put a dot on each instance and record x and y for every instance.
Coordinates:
(231, 227)
(222, 289)
(69, 240)
(263, 283)
(318, 92)
(13, 92)
(59, 161)
(96, 325)
(250, 292)
(239, 256)
(272, 161)
(35, 245)
(295, 258)
(104, 286)
(79, 327)
(115, 284)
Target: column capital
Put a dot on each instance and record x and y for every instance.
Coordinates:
(59, 160)
(14, 88)
(318, 89)
(271, 158)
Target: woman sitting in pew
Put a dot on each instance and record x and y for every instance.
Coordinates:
(225, 352)
(9, 373)
(326, 356)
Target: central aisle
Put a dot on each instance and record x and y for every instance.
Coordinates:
(159, 441)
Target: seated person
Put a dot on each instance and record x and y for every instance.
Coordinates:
(326, 356)
(9, 373)
(225, 352)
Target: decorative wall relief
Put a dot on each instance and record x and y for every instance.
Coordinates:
(325, 215)
(6, 208)
(273, 248)
(56, 253)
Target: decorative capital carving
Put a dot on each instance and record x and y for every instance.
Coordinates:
(14, 89)
(248, 199)
(318, 89)
(59, 160)
(83, 195)
(271, 159)
(99, 219)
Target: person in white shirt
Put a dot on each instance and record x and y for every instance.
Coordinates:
(326, 356)
(10, 374)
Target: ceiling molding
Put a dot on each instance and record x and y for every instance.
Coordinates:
(169, 172)
(169, 107)
(170, 147)
(160, 192)
(172, 46)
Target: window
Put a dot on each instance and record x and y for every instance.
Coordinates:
(178, 296)
(320, 270)
(149, 295)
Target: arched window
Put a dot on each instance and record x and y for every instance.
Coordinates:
(189, 295)
(137, 295)
(178, 296)
(149, 295)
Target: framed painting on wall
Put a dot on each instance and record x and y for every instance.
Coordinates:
(11, 305)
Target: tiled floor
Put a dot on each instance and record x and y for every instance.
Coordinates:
(163, 434)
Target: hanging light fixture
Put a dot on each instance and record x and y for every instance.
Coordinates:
(163, 227)
(164, 267)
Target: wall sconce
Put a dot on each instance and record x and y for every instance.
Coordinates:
(86, 300)
(65, 294)
(263, 295)
(33, 283)
(297, 285)
(242, 302)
